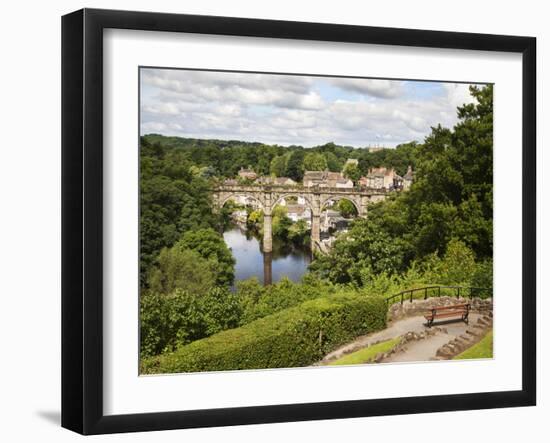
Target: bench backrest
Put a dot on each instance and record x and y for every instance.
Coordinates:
(461, 307)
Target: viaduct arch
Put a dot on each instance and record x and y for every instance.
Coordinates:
(316, 197)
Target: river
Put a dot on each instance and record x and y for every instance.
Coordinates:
(284, 261)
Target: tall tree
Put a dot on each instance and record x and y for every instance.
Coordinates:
(315, 161)
(295, 165)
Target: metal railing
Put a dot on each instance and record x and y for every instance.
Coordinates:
(436, 291)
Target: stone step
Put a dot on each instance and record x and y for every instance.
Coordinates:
(466, 338)
(483, 321)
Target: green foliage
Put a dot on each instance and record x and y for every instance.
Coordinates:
(352, 172)
(483, 275)
(211, 246)
(278, 166)
(455, 268)
(295, 165)
(449, 200)
(225, 213)
(347, 208)
(299, 233)
(174, 198)
(260, 301)
(334, 164)
(294, 337)
(180, 268)
(364, 246)
(315, 161)
(169, 320)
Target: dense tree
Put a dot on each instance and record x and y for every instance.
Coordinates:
(295, 165)
(315, 161)
(211, 246)
(449, 204)
(171, 320)
(179, 268)
(333, 163)
(278, 166)
(347, 208)
(352, 172)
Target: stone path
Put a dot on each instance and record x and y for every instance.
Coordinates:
(421, 350)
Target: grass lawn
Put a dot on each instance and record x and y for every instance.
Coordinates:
(366, 355)
(482, 349)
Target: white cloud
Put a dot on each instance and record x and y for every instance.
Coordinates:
(376, 88)
(287, 109)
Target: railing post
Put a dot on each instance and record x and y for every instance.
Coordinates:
(401, 298)
(411, 298)
(458, 292)
(439, 291)
(426, 294)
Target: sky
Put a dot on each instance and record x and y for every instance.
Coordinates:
(294, 110)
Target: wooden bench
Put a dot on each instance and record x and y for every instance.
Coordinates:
(458, 312)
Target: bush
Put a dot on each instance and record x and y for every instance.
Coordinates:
(294, 337)
(183, 269)
(170, 320)
(261, 301)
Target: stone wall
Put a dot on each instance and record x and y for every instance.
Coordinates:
(421, 306)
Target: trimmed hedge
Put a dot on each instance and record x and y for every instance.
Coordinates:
(294, 337)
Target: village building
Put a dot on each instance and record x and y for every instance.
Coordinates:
(326, 179)
(247, 174)
(230, 182)
(381, 178)
(298, 212)
(240, 216)
(331, 219)
(386, 178)
(408, 178)
(245, 200)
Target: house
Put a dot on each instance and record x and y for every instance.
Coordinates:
(343, 183)
(247, 174)
(298, 212)
(240, 216)
(314, 178)
(326, 179)
(408, 178)
(339, 223)
(244, 200)
(380, 178)
(230, 182)
(326, 217)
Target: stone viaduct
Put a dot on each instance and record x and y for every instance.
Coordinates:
(269, 196)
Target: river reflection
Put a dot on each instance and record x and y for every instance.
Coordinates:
(285, 260)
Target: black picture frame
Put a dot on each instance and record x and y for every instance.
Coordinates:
(82, 220)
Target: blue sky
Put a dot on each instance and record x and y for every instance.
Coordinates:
(286, 109)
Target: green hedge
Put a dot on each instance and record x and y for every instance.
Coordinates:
(294, 337)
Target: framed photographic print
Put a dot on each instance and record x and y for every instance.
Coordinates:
(269, 221)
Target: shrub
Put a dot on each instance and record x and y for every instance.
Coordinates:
(169, 320)
(183, 269)
(483, 275)
(294, 337)
(260, 301)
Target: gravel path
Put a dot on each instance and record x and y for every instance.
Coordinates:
(422, 350)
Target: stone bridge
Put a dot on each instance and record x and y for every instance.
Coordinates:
(269, 196)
